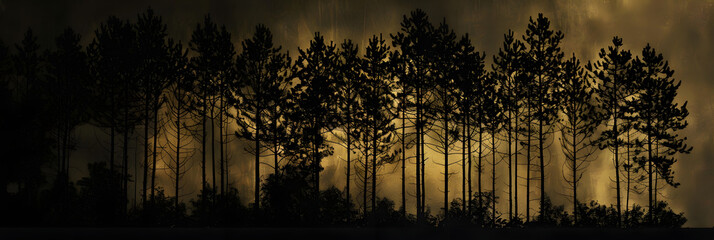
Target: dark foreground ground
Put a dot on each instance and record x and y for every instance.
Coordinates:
(351, 233)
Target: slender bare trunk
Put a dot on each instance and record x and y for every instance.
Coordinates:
(221, 142)
(156, 133)
(256, 193)
(493, 178)
(404, 162)
(146, 151)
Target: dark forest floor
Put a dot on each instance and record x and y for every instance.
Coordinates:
(353, 233)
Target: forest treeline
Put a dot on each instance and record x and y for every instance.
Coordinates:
(423, 89)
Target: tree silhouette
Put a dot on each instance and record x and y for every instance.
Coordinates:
(113, 55)
(27, 130)
(213, 65)
(71, 97)
(494, 121)
(544, 59)
(315, 96)
(508, 70)
(404, 107)
(262, 72)
(581, 118)
(152, 53)
(443, 110)
(378, 99)
(611, 71)
(349, 84)
(471, 84)
(416, 43)
(181, 82)
(659, 118)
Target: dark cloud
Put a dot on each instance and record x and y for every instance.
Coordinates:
(681, 30)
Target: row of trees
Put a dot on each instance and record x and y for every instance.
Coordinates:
(429, 89)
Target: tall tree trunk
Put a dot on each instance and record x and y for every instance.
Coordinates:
(178, 145)
(404, 162)
(259, 125)
(221, 142)
(510, 165)
(540, 147)
(275, 146)
(374, 168)
(423, 172)
(493, 178)
(316, 153)
(575, 183)
(528, 163)
(418, 158)
(470, 167)
(146, 151)
(617, 163)
(446, 166)
(366, 175)
(627, 191)
(125, 160)
(656, 174)
(463, 168)
(156, 133)
(224, 153)
(213, 151)
(649, 175)
(349, 153)
(480, 166)
(542, 167)
(203, 152)
(515, 166)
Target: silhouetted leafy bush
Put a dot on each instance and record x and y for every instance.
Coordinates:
(100, 198)
(60, 203)
(218, 210)
(384, 214)
(287, 198)
(663, 216)
(474, 215)
(160, 210)
(554, 215)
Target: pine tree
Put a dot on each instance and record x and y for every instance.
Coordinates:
(378, 99)
(471, 83)
(71, 97)
(152, 50)
(508, 71)
(612, 72)
(113, 55)
(177, 113)
(213, 64)
(445, 99)
(407, 140)
(494, 121)
(581, 119)
(262, 70)
(544, 59)
(349, 85)
(659, 118)
(314, 97)
(416, 44)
